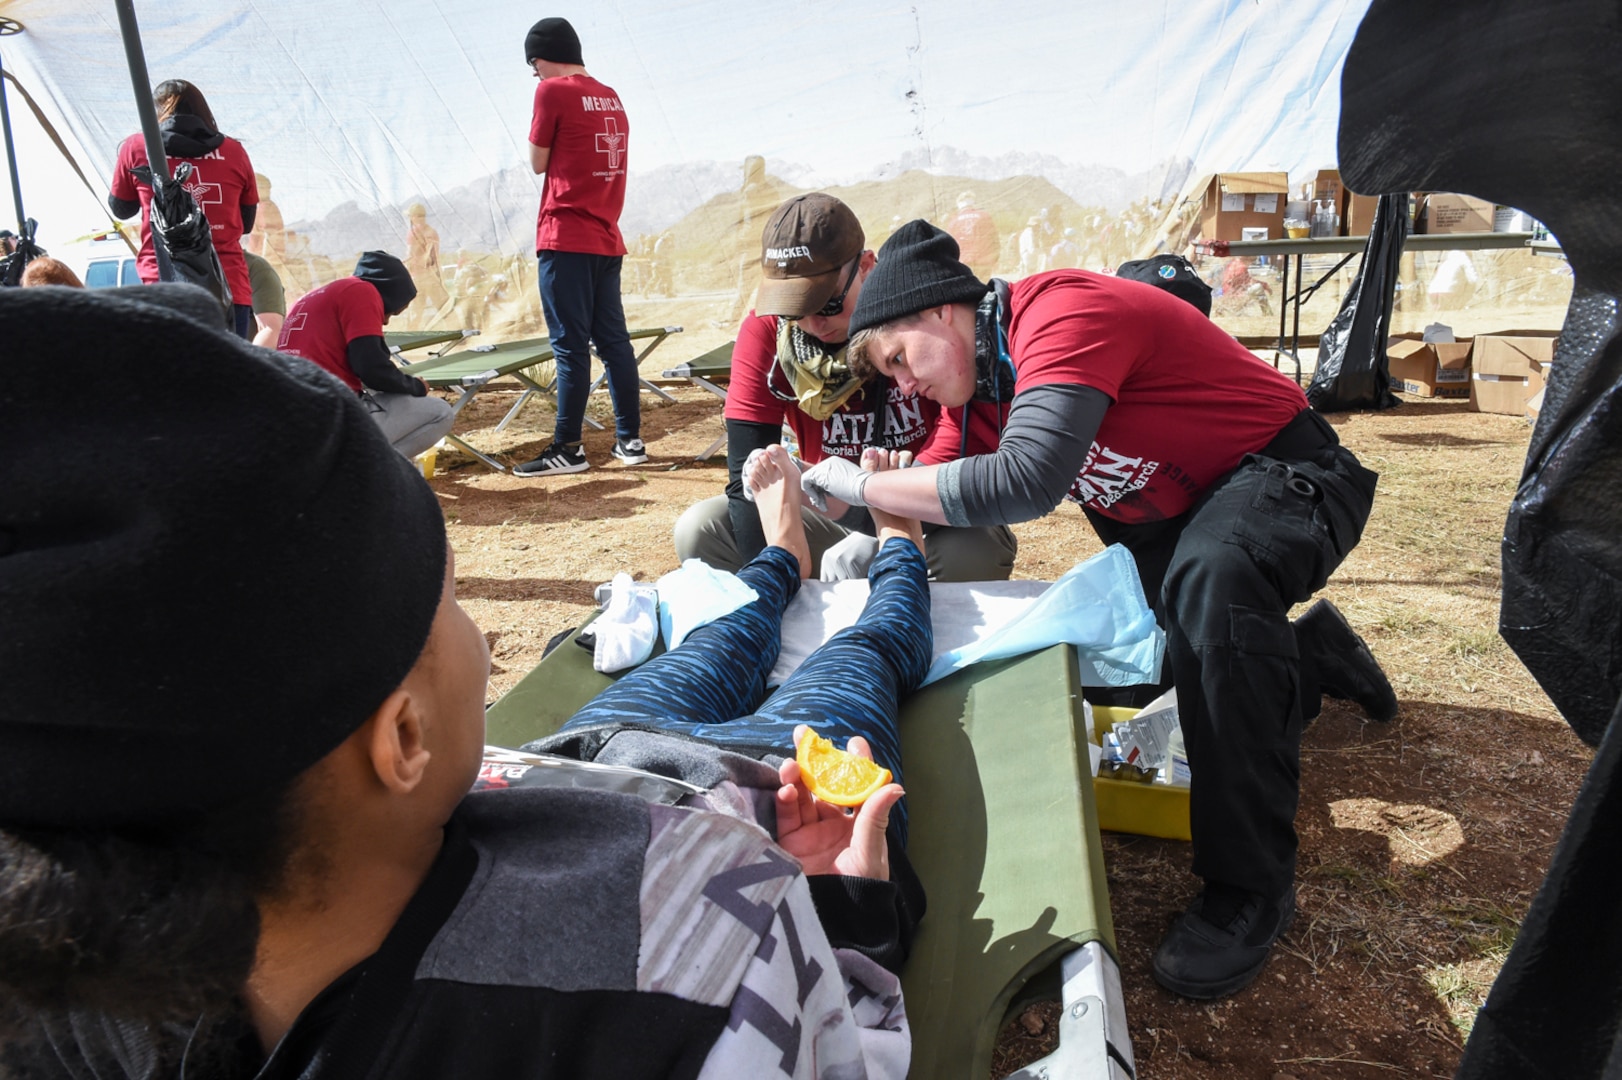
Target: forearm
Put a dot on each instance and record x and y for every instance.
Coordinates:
(878, 919)
(909, 493)
(369, 360)
(1049, 432)
(744, 437)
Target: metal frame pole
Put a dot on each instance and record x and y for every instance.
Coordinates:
(142, 82)
(11, 151)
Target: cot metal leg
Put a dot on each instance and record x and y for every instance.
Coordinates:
(531, 388)
(1093, 1041)
(471, 386)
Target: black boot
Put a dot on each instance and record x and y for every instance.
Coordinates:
(1220, 944)
(1345, 666)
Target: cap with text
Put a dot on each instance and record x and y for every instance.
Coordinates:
(808, 242)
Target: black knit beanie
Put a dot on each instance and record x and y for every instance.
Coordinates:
(213, 565)
(391, 277)
(918, 268)
(552, 39)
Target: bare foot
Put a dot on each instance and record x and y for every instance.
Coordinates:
(890, 525)
(775, 482)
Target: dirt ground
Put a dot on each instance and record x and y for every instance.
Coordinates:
(1422, 840)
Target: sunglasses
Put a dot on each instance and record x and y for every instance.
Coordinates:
(837, 304)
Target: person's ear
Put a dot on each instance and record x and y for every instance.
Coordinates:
(397, 743)
(869, 261)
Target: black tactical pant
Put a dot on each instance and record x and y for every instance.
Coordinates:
(1222, 579)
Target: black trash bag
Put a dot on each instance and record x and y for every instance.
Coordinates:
(1540, 129)
(25, 252)
(1534, 121)
(1353, 372)
(179, 224)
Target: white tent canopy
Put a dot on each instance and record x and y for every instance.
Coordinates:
(364, 107)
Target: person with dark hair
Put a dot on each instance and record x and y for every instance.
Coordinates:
(789, 370)
(268, 861)
(340, 327)
(1236, 500)
(578, 140)
(222, 182)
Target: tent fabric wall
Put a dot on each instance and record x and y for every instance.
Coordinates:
(363, 108)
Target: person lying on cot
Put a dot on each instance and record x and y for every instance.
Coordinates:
(245, 846)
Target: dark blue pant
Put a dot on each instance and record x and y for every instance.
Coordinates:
(580, 295)
(852, 684)
(1261, 539)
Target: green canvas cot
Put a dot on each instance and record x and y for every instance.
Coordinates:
(1004, 836)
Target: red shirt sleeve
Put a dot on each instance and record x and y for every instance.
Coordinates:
(123, 186)
(361, 312)
(748, 397)
(543, 123)
(1081, 336)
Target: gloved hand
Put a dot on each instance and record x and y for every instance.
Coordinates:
(749, 468)
(835, 478)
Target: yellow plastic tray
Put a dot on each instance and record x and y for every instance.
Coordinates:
(1141, 809)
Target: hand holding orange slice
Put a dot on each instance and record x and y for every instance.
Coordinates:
(837, 776)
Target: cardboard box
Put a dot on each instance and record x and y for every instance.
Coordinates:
(1359, 215)
(1444, 212)
(1509, 219)
(1507, 369)
(1237, 201)
(1429, 369)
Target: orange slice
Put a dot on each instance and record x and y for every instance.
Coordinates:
(838, 776)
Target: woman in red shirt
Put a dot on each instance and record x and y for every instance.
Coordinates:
(222, 182)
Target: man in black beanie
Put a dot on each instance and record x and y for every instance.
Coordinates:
(578, 139)
(340, 327)
(1236, 500)
(240, 714)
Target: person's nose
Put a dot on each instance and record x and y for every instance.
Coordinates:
(905, 382)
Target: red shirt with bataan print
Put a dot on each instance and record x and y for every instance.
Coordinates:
(908, 418)
(222, 184)
(1188, 401)
(583, 124)
(324, 322)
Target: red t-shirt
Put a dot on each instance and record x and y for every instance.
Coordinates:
(222, 183)
(583, 123)
(1188, 400)
(324, 322)
(855, 425)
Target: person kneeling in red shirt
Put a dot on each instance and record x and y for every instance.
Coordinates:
(340, 327)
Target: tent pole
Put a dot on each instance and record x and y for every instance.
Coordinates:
(149, 118)
(11, 151)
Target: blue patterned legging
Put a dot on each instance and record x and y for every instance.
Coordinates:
(851, 685)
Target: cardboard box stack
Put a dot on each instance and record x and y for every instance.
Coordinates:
(1442, 212)
(1429, 369)
(1507, 369)
(1235, 202)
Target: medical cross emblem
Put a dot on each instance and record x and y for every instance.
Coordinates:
(205, 194)
(295, 322)
(611, 141)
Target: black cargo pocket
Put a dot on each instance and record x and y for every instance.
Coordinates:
(1265, 658)
(1283, 528)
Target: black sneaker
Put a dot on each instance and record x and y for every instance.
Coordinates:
(1346, 668)
(1220, 944)
(555, 460)
(630, 451)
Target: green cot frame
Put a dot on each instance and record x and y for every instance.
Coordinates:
(468, 372)
(1005, 838)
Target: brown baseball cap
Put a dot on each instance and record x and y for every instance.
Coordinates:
(807, 242)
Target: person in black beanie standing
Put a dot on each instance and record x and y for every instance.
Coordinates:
(578, 140)
(1236, 500)
(340, 328)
